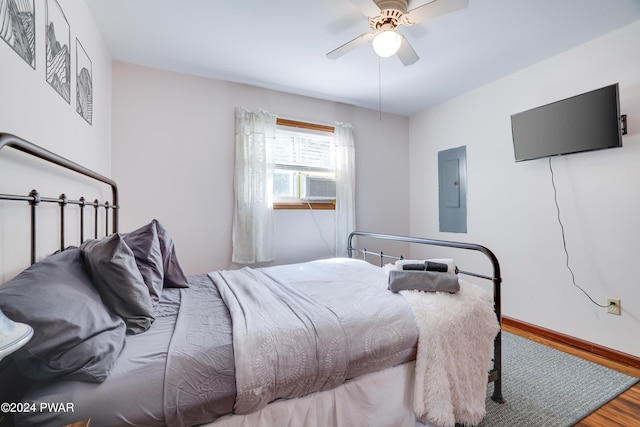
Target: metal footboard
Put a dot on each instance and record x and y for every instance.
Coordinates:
(495, 374)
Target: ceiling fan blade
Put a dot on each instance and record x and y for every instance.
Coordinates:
(349, 46)
(406, 54)
(367, 7)
(434, 9)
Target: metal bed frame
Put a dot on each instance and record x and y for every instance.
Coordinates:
(34, 198)
(495, 374)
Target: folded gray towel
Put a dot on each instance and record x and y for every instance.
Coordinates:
(428, 266)
(436, 266)
(431, 281)
(415, 267)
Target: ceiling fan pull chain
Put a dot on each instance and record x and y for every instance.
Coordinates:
(380, 86)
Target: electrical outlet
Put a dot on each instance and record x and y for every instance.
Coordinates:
(613, 306)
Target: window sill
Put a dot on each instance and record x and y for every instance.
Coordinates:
(303, 205)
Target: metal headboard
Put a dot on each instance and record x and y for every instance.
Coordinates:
(34, 198)
(495, 374)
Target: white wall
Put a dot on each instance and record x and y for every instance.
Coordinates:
(33, 110)
(173, 155)
(511, 206)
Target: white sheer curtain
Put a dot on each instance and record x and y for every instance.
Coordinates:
(345, 186)
(253, 225)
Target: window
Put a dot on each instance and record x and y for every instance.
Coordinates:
(305, 169)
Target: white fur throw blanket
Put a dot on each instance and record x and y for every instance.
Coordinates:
(455, 343)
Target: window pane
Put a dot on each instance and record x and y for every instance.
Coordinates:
(304, 149)
(285, 183)
(298, 153)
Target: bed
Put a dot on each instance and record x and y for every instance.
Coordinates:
(124, 337)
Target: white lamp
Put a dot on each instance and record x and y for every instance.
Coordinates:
(13, 335)
(386, 43)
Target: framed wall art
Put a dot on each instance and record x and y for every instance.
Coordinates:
(58, 39)
(84, 83)
(17, 28)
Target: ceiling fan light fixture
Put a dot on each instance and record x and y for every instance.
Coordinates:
(387, 43)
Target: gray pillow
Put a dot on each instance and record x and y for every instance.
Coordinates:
(174, 276)
(75, 335)
(145, 245)
(115, 275)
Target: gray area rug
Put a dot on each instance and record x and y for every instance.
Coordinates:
(544, 387)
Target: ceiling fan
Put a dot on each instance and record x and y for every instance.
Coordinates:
(385, 16)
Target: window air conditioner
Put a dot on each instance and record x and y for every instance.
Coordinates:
(313, 187)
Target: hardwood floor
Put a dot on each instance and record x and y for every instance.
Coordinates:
(623, 411)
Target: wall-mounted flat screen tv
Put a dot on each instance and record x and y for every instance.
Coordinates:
(586, 122)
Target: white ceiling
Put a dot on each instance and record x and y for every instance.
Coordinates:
(281, 44)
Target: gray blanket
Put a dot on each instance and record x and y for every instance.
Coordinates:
(302, 329)
(296, 329)
(295, 347)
